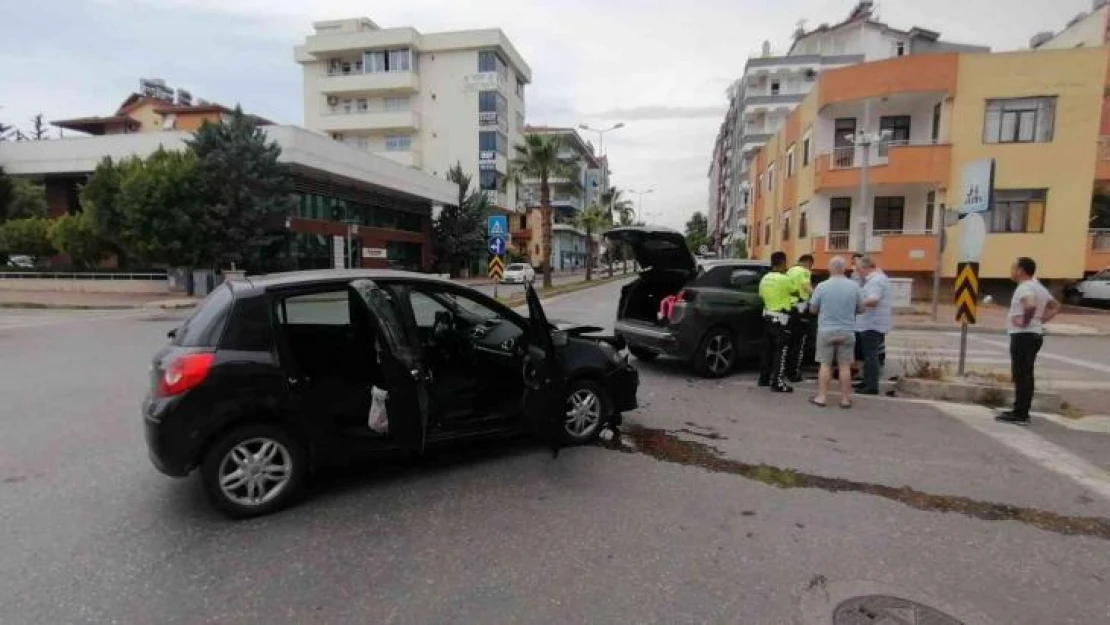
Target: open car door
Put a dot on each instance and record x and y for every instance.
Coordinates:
(402, 367)
(545, 386)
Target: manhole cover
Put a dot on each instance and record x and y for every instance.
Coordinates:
(883, 610)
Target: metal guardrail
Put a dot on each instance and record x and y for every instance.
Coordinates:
(80, 275)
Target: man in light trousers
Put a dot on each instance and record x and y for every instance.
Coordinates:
(836, 302)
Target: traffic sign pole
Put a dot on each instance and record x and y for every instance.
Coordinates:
(967, 299)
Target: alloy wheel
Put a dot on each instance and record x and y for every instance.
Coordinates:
(718, 353)
(583, 413)
(255, 471)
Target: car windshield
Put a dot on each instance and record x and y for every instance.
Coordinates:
(516, 267)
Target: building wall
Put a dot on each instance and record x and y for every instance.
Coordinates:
(1087, 32)
(1065, 166)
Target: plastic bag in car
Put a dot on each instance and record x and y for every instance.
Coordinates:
(379, 419)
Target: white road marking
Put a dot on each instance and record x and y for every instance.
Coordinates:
(1048, 455)
(28, 321)
(1078, 362)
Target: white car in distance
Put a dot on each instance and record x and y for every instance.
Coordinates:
(518, 273)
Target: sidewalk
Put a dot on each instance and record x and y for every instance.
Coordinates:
(1073, 321)
(101, 301)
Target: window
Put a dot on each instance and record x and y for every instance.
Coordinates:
(374, 62)
(328, 309)
(169, 121)
(805, 152)
(490, 61)
(803, 225)
(1018, 210)
(520, 87)
(786, 227)
(900, 48)
(840, 214)
(1026, 120)
(889, 213)
(520, 122)
(398, 143)
(379, 61)
(362, 105)
(492, 102)
(767, 233)
(204, 327)
(744, 279)
(790, 162)
(493, 141)
(771, 177)
(936, 122)
(896, 131)
(775, 87)
(930, 209)
(844, 141)
(397, 103)
(490, 180)
(399, 60)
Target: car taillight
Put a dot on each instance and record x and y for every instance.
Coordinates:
(184, 373)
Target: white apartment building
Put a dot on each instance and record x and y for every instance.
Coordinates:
(1085, 30)
(773, 85)
(428, 101)
(568, 197)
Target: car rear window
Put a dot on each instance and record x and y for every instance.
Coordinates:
(729, 276)
(204, 327)
(249, 328)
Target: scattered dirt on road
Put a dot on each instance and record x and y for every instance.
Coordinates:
(667, 447)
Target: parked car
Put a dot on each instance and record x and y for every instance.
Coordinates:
(1093, 290)
(717, 316)
(21, 262)
(274, 375)
(518, 273)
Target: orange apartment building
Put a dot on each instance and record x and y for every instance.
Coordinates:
(1040, 114)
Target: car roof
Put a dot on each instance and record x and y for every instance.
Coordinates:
(300, 278)
(737, 262)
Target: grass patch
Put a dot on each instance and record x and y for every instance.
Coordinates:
(920, 365)
(992, 397)
(1071, 411)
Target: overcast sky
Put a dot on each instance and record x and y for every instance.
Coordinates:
(659, 66)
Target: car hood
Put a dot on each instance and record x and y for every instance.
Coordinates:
(656, 248)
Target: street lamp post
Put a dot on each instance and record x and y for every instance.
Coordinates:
(601, 155)
(862, 140)
(640, 201)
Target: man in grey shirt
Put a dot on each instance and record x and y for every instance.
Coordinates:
(874, 324)
(836, 302)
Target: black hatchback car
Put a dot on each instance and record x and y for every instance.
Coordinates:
(716, 318)
(273, 375)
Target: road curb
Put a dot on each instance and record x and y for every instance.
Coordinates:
(41, 306)
(1049, 331)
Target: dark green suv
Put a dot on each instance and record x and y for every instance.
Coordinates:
(717, 316)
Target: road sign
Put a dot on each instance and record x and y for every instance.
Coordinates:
(498, 226)
(496, 246)
(967, 292)
(496, 268)
(978, 186)
(973, 234)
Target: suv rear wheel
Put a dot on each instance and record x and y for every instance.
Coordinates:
(254, 470)
(716, 355)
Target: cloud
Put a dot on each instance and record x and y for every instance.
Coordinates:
(650, 113)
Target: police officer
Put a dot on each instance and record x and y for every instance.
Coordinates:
(778, 292)
(801, 322)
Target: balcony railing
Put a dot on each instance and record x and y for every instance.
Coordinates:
(838, 242)
(850, 156)
(1100, 239)
(902, 232)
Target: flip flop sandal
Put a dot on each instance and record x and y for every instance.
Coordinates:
(819, 404)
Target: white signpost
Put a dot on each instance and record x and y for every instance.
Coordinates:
(976, 193)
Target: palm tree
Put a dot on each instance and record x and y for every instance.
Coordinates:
(538, 158)
(619, 208)
(592, 220)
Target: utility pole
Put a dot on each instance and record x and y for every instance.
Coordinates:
(938, 226)
(863, 140)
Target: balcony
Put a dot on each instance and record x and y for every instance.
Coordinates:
(890, 163)
(336, 119)
(1098, 250)
(496, 198)
(493, 119)
(378, 82)
(1102, 159)
(894, 250)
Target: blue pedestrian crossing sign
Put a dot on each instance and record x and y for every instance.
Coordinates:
(496, 246)
(498, 226)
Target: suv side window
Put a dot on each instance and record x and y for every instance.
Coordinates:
(331, 308)
(745, 279)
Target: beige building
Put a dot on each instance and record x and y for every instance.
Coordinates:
(1085, 30)
(424, 100)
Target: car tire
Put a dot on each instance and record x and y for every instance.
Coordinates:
(591, 402)
(645, 355)
(1073, 298)
(270, 464)
(716, 355)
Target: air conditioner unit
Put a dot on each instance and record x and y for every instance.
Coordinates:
(333, 100)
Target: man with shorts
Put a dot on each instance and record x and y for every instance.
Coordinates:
(836, 302)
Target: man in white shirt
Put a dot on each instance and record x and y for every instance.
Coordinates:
(1031, 307)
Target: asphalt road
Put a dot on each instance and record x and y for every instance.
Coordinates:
(721, 503)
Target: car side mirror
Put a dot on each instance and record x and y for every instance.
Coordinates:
(559, 338)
